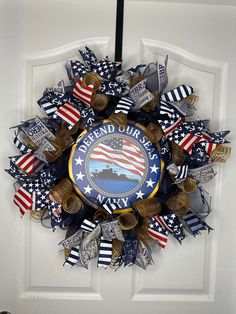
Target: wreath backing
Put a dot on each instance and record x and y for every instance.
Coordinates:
(165, 195)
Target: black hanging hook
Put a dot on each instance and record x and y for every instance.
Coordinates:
(119, 29)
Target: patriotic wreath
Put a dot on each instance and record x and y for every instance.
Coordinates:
(101, 92)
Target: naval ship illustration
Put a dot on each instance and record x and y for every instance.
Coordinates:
(109, 173)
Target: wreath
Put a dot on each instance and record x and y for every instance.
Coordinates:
(147, 148)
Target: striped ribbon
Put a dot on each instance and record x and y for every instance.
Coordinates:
(178, 93)
(124, 105)
(110, 207)
(183, 173)
(23, 199)
(105, 253)
(73, 257)
(165, 109)
(68, 113)
(88, 226)
(28, 163)
(22, 147)
(158, 232)
(83, 93)
(49, 108)
(195, 224)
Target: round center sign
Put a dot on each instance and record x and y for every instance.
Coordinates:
(117, 165)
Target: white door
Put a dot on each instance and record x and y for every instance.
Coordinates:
(36, 39)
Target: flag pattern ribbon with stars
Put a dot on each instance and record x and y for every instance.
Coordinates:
(28, 163)
(55, 210)
(157, 232)
(170, 125)
(75, 70)
(40, 194)
(186, 141)
(188, 135)
(106, 69)
(173, 225)
(161, 226)
(51, 101)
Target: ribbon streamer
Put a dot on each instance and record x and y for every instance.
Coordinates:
(68, 113)
(178, 93)
(22, 147)
(124, 105)
(27, 163)
(73, 257)
(88, 226)
(23, 199)
(195, 224)
(89, 58)
(83, 93)
(105, 253)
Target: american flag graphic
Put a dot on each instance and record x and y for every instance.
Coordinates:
(83, 93)
(68, 113)
(15, 172)
(23, 199)
(28, 163)
(121, 152)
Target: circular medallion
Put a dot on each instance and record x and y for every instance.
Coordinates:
(115, 165)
